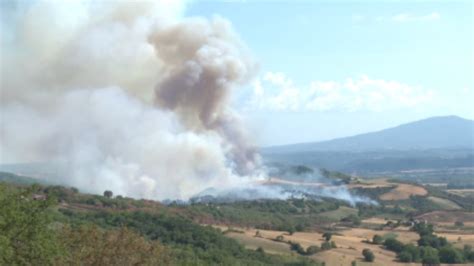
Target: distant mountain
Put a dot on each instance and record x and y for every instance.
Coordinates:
(431, 133)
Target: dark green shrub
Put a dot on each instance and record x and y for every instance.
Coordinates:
(429, 256)
(377, 239)
(326, 246)
(393, 245)
(368, 255)
(405, 256)
(449, 254)
(312, 250)
(327, 236)
(298, 248)
(413, 251)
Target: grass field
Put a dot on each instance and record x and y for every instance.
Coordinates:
(340, 213)
(444, 203)
(350, 243)
(403, 191)
(462, 192)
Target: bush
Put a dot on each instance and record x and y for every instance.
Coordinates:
(393, 245)
(423, 229)
(368, 255)
(377, 239)
(298, 248)
(459, 223)
(26, 235)
(291, 230)
(449, 254)
(405, 256)
(413, 251)
(333, 244)
(312, 250)
(429, 256)
(108, 194)
(327, 236)
(468, 253)
(326, 246)
(354, 219)
(94, 246)
(432, 241)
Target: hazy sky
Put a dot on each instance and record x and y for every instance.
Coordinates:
(332, 69)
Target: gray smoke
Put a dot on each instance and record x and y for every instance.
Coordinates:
(127, 96)
(203, 61)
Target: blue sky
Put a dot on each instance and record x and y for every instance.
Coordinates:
(333, 69)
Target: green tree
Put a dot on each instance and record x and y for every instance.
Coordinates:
(298, 248)
(312, 250)
(432, 241)
(354, 219)
(429, 256)
(405, 256)
(25, 233)
(327, 236)
(368, 255)
(90, 245)
(291, 230)
(108, 194)
(393, 245)
(326, 246)
(449, 254)
(413, 251)
(423, 229)
(377, 239)
(468, 253)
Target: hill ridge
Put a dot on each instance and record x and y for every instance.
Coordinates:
(429, 133)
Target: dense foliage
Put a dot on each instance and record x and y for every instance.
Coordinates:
(31, 229)
(431, 248)
(24, 232)
(285, 215)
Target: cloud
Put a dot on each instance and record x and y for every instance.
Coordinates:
(276, 91)
(406, 17)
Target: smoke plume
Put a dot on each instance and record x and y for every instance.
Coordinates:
(127, 96)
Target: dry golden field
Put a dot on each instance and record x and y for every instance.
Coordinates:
(350, 243)
(403, 191)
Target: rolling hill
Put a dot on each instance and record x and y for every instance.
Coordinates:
(431, 133)
(433, 148)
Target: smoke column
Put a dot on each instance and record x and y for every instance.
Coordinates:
(128, 96)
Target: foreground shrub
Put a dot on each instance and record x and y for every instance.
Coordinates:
(368, 255)
(90, 245)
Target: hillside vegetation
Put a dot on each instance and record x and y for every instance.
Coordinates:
(56, 225)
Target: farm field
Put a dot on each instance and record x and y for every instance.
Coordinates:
(350, 243)
(404, 191)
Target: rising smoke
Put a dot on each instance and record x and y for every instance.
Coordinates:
(129, 96)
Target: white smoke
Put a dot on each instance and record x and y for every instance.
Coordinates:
(129, 96)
